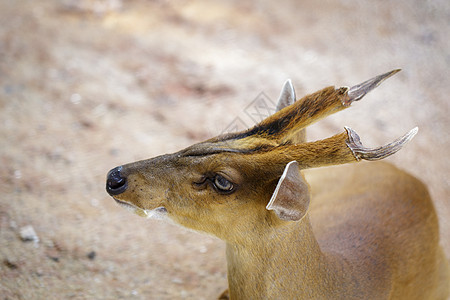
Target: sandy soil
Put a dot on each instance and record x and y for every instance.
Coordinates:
(87, 85)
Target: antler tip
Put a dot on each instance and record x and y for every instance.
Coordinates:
(358, 91)
(361, 152)
(410, 135)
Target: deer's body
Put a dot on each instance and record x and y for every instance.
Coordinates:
(358, 243)
(366, 231)
(387, 228)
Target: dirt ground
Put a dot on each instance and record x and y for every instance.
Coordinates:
(88, 85)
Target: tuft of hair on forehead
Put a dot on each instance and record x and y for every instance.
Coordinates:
(243, 145)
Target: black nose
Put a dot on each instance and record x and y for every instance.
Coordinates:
(115, 183)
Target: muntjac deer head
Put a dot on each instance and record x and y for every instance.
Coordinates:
(230, 184)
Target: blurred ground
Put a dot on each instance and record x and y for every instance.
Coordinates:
(88, 85)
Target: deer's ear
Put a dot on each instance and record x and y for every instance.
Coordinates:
(287, 95)
(290, 200)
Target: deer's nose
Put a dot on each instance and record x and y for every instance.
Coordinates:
(115, 183)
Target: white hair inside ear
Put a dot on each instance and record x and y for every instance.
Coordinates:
(290, 200)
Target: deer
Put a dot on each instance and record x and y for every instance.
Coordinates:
(299, 219)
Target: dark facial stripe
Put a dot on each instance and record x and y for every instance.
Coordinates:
(203, 150)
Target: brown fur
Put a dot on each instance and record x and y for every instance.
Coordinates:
(371, 231)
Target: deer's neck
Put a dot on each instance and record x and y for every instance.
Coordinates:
(284, 262)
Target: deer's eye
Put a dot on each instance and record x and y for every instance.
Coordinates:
(223, 185)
